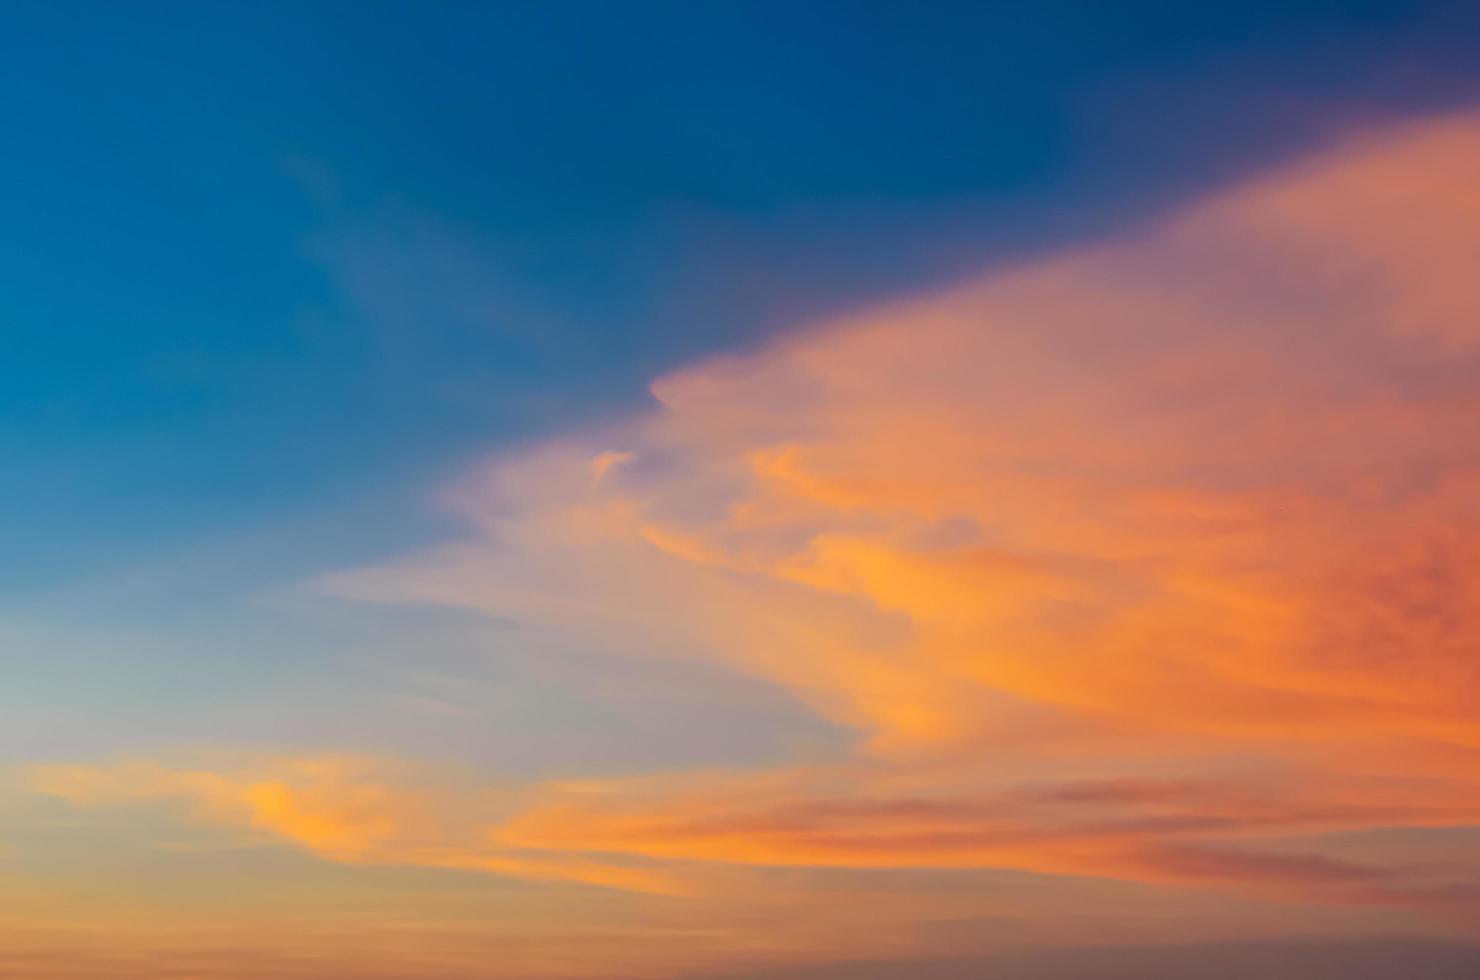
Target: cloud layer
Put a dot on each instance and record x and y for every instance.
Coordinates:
(1158, 562)
(1197, 502)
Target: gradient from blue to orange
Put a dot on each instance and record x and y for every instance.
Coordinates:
(1070, 546)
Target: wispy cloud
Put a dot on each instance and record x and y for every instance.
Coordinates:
(357, 811)
(1197, 500)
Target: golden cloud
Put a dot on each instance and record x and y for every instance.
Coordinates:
(1218, 478)
(350, 810)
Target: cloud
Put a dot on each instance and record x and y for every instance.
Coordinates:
(1155, 562)
(1254, 835)
(1211, 480)
(355, 811)
(1200, 499)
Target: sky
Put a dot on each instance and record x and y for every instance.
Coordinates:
(739, 491)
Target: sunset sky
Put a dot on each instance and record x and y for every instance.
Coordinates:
(638, 490)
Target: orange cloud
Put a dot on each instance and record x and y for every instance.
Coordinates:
(1217, 479)
(347, 810)
(1200, 498)
(1156, 561)
(1255, 835)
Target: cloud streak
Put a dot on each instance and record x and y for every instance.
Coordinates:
(354, 811)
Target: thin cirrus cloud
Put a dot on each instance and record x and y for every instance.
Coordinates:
(1156, 561)
(347, 810)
